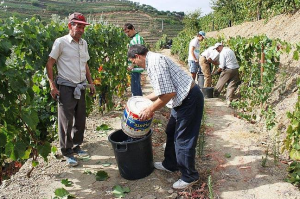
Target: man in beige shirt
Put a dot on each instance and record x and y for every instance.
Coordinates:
(70, 53)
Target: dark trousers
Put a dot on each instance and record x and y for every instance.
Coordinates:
(136, 88)
(71, 119)
(182, 135)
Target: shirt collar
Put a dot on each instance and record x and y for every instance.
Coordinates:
(134, 35)
(70, 39)
(146, 59)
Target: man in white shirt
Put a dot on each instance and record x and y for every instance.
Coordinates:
(193, 59)
(70, 53)
(210, 55)
(229, 69)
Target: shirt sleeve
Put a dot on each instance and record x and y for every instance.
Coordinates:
(56, 49)
(162, 81)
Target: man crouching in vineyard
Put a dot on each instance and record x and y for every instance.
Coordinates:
(176, 89)
(70, 53)
(229, 69)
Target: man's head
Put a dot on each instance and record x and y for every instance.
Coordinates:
(76, 25)
(218, 46)
(129, 30)
(137, 54)
(201, 35)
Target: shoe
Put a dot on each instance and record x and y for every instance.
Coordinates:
(81, 153)
(71, 161)
(159, 166)
(180, 184)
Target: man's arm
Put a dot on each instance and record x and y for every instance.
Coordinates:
(49, 66)
(213, 62)
(89, 79)
(152, 96)
(193, 53)
(161, 101)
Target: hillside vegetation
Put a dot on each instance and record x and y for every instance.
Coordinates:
(150, 22)
(233, 12)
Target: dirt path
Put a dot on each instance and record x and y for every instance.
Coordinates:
(239, 176)
(235, 151)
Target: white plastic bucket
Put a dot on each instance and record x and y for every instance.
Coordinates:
(131, 124)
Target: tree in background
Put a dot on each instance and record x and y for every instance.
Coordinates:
(191, 21)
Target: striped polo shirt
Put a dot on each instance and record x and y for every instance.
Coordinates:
(136, 39)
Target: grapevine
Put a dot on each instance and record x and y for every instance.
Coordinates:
(28, 115)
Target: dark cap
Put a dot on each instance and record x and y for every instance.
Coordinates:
(78, 18)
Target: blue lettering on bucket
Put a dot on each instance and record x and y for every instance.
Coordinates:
(136, 124)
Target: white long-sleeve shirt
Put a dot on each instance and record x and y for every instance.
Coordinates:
(228, 59)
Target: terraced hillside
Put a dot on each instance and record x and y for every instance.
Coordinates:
(150, 27)
(152, 24)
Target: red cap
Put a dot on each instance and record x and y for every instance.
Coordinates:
(78, 18)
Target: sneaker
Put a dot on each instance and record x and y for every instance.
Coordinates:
(180, 184)
(158, 165)
(71, 161)
(81, 153)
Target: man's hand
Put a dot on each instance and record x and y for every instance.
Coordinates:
(216, 72)
(92, 89)
(54, 93)
(130, 68)
(146, 114)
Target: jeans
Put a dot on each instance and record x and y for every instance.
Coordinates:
(182, 135)
(194, 66)
(136, 88)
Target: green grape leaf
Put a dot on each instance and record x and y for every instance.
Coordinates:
(35, 163)
(62, 193)
(20, 149)
(103, 127)
(44, 150)
(31, 118)
(3, 139)
(295, 154)
(66, 182)
(227, 155)
(27, 154)
(119, 191)
(296, 55)
(101, 176)
(53, 149)
(9, 150)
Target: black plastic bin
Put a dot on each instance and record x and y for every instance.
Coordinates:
(134, 158)
(208, 92)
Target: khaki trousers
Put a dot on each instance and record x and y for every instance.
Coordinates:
(205, 66)
(230, 76)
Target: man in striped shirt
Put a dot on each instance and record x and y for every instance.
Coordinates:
(136, 88)
(176, 89)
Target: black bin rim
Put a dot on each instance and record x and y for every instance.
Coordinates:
(133, 142)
